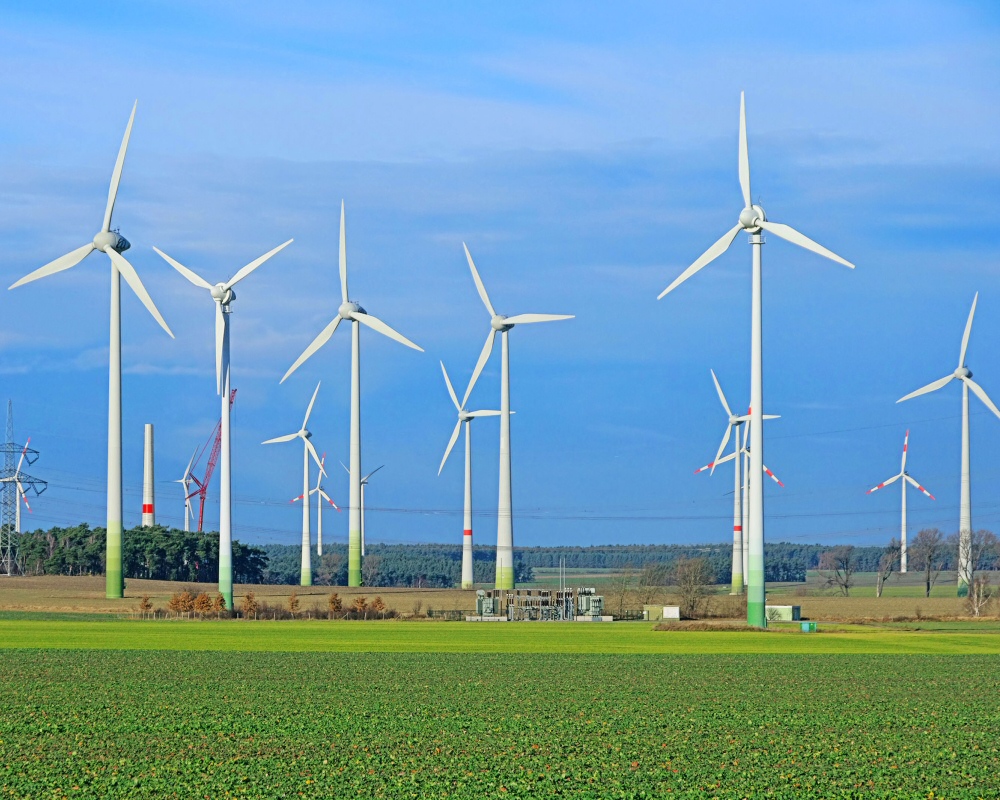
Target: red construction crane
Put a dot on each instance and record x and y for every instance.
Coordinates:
(216, 441)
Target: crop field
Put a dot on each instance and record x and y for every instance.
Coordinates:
(163, 724)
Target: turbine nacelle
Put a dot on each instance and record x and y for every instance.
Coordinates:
(499, 323)
(751, 216)
(963, 372)
(222, 295)
(348, 309)
(111, 239)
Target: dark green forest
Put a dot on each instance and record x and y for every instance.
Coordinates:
(170, 554)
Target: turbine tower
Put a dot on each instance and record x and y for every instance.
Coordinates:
(223, 295)
(148, 487)
(753, 220)
(906, 479)
(321, 495)
(114, 244)
(307, 451)
(464, 418)
(364, 483)
(964, 374)
(355, 314)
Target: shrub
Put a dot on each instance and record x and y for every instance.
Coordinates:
(334, 604)
(249, 605)
(145, 605)
(293, 603)
(202, 604)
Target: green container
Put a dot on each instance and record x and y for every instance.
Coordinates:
(809, 627)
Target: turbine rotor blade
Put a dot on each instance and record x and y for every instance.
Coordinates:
(116, 176)
(479, 282)
(220, 338)
(882, 485)
(312, 452)
(132, 279)
(364, 479)
(277, 439)
(451, 444)
(772, 476)
(343, 256)
(744, 154)
(63, 262)
(921, 488)
(968, 332)
(725, 441)
(192, 276)
(930, 387)
(982, 395)
(316, 344)
(487, 413)
(707, 257)
(312, 402)
(346, 469)
(328, 499)
(244, 271)
(484, 356)
(722, 397)
(791, 235)
(377, 325)
(906, 445)
(451, 390)
(521, 319)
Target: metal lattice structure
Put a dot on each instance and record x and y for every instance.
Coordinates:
(15, 484)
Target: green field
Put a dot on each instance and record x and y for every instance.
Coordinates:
(161, 724)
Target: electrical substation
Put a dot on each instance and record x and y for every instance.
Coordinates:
(539, 605)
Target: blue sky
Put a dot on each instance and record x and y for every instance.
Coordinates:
(587, 154)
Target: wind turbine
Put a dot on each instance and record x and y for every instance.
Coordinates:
(185, 483)
(464, 418)
(223, 295)
(114, 244)
(499, 323)
(307, 451)
(964, 374)
(906, 479)
(734, 423)
(364, 483)
(320, 497)
(753, 220)
(353, 313)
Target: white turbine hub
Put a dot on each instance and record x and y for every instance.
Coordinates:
(749, 217)
(963, 372)
(304, 434)
(222, 295)
(116, 241)
(499, 323)
(348, 308)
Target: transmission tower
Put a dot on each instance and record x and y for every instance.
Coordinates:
(15, 484)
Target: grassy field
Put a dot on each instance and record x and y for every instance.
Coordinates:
(128, 724)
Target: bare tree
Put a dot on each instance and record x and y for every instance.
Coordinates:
(293, 603)
(622, 586)
(692, 577)
(652, 579)
(837, 566)
(886, 564)
(927, 552)
(326, 571)
(369, 570)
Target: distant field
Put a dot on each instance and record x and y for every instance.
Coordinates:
(100, 724)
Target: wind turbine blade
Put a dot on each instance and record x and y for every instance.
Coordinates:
(451, 390)
(479, 282)
(277, 439)
(744, 154)
(24, 497)
(713, 464)
(187, 471)
(489, 413)
(772, 476)
(317, 343)
(220, 338)
(722, 397)
(707, 257)
(930, 387)
(377, 325)
(968, 332)
(921, 488)
(312, 402)
(312, 452)
(320, 474)
(295, 499)
(343, 256)
(61, 263)
(521, 319)
(484, 356)
(255, 263)
(132, 279)
(372, 473)
(893, 479)
(326, 497)
(906, 444)
(451, 444)
(116, 176)
(790, 234)
(982, 395)
(192, 276)
(772, 416)
(725, 441)
(20, 461)
(346, 468)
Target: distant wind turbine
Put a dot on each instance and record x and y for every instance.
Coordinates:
(753, 220)
(321, 495)
(113, 244)
(964, 374)
(185, 483)
(364, 483)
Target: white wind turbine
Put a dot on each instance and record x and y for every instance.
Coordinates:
(906, 479)
(185, 483)
(734, 423)
(307, 451)
(355, 314)
(223, 295)
(364, 483)
(464, 418)
(753, 220)
(321, 495)
(502, 324)
(114, 244)
(964, 374)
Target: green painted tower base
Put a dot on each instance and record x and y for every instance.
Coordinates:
(505, 577)
(114, 583)
(354, 559)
